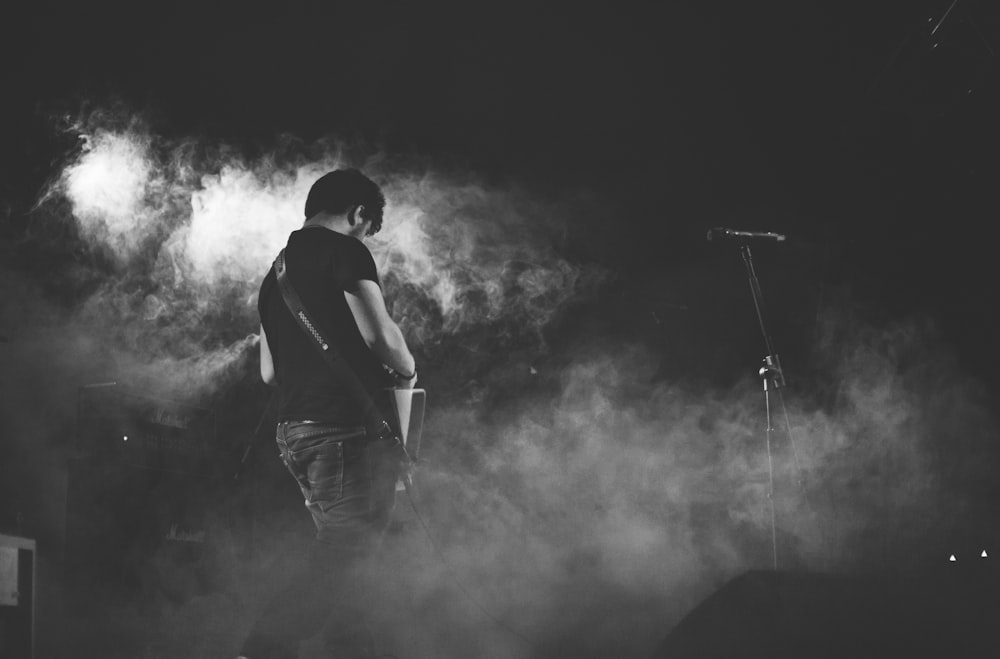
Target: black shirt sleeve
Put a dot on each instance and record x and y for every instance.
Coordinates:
(359, 265)
(268, 289)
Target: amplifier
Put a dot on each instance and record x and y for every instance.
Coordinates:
(143, 431)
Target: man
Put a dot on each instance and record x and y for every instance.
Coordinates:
(346, 475)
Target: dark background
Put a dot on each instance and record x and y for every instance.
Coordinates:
(847, 125)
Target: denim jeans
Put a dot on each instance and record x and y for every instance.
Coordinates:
(348, 481)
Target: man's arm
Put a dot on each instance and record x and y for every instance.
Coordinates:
(266, 361)
(379, 331)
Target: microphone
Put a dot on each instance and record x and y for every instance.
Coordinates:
(721, 233)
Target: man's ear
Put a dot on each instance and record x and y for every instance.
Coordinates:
(356, 215)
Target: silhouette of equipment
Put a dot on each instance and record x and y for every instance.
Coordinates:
(782, 615)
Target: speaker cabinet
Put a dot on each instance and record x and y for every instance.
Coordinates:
(139, 485)
(127, 525)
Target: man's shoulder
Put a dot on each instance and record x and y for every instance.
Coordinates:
(325, 239)
(323, 252)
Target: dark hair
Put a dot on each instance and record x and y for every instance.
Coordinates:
(342, 189)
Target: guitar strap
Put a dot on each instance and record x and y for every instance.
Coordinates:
(375, 421)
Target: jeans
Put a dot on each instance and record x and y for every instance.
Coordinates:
(348, 481)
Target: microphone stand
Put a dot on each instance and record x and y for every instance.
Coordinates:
(772, 378)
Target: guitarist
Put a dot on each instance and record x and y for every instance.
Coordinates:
(347, 477)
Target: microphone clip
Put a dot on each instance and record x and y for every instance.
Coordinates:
(771, 372)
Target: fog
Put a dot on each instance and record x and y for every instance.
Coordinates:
(580, 498)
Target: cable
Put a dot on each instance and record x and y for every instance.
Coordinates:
(253, 437)
(440, 554)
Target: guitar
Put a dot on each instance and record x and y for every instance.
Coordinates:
(405, 414)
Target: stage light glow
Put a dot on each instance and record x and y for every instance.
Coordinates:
(240, 218)
(106, 188)
(212, 223)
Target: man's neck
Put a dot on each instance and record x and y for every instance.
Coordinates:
(335, 223)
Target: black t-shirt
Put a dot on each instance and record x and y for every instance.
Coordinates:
(322, 265)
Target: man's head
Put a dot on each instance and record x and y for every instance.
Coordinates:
(347, 192)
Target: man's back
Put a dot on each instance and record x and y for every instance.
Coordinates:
(322, 265)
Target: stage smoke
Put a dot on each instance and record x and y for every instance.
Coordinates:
(191, 229)
(583, 494)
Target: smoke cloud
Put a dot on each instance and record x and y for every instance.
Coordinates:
(583, 501)
(106, 187)
(592, 516)
(190, 229)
